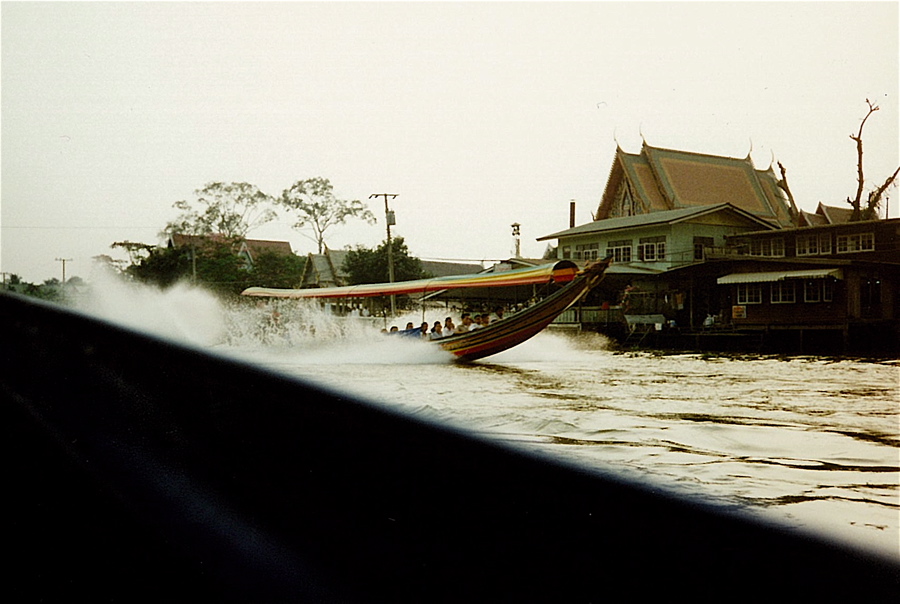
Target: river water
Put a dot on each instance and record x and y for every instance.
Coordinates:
(809, 441)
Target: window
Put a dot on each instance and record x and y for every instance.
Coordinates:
(812, 291)
(783, 292)
(619, 250)
(767, 247)
(818, 290)
(587, 251)
(700, 245)
(749, 293)
(859, 242)
(652, 249)
(567, 251)
(813, 245)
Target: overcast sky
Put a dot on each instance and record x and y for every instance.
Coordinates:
(477, 115)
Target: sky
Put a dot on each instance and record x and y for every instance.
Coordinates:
(476, 115)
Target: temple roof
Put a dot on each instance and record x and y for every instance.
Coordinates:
(665, 179)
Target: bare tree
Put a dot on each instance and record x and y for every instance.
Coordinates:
(873, 203)
(783, 185)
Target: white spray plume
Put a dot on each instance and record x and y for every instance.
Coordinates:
(181, 313)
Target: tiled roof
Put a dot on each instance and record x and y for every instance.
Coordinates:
(252, 247)
(448, 269)
(666, 179)
(834, 214)
(259, 246)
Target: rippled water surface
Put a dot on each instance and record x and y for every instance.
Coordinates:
(813, 442)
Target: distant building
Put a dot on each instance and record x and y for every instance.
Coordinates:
(825, 215)
(248, 249)
(325, 270)
(707, 245)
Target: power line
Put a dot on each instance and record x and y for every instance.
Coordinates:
(118, 226)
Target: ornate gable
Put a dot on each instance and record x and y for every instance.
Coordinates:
(664, 179)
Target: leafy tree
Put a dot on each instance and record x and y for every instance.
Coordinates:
(365, 265)
(316, 207)
(49, 290)
(163, 266)
(278, 270)
(229, 209)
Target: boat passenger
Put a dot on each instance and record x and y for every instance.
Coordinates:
(423, 329)
(437, 331)
(449, 327)
(465, 324)
(394, 329)
(476, 323)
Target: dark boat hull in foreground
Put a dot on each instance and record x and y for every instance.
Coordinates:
(136, 469)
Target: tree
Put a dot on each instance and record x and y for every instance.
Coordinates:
(873, 203)
(278, 270)
(364, 265)
(230, 209)
(163, 266)
(317, 208)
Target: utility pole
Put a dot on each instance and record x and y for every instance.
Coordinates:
(64, 260)
(515, 232)
(390, 219)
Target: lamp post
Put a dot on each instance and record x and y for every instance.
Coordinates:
(390, 219)
(515, 232)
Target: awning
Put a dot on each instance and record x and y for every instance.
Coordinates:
(767, 277)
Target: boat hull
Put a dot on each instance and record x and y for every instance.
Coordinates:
(512, 331)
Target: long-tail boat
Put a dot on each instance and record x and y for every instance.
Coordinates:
(496, 337)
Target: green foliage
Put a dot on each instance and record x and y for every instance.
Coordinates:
(216, 265)
(278, 270)
(365, 265)
(229, 209)
(162, 267)
(316, 207)
(50, 290)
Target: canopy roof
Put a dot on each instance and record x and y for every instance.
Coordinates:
(559, 272)
(767, 277)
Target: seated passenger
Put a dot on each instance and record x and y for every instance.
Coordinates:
(465, 325)
(437, 331)
(449, 327)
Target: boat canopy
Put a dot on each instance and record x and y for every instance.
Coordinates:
(560, 272)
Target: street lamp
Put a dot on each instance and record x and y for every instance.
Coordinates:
(515, 232)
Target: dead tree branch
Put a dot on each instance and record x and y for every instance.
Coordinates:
(783, 185)
(874, 201)
(857, 202)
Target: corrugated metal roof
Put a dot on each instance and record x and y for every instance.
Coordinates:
(767, 277)
(651, 218)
